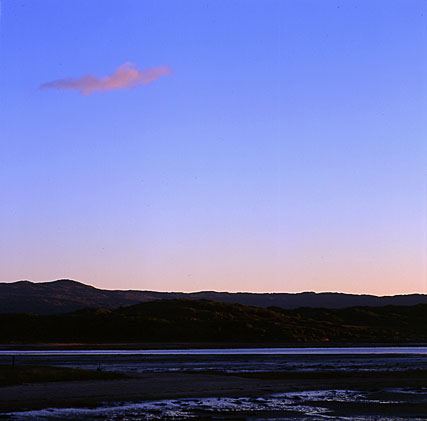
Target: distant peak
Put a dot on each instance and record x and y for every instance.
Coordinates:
(65, 281)
(69, 282)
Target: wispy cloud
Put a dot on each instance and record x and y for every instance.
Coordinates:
(125, 76)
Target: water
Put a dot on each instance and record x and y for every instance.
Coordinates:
(231, 351)
(303, 405)
(228, 360)
(310, 405)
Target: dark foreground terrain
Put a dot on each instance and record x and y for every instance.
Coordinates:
(206, 321)
(219, 396)
(11, 375)
(215, 386)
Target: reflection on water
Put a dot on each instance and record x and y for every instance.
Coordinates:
(228, 363)
(231, 351)
(229, 360)
(286, 406)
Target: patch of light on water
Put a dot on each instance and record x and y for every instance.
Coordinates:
(171, 409)
(277, 406)
(422, 391)
(231, 351)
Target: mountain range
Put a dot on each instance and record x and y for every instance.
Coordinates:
(66, 295)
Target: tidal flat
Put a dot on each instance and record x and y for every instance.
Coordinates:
(221, 387)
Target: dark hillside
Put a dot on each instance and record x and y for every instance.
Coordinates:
(208, 321)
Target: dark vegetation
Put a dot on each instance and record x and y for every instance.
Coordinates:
(208, 321)
(64, 296)
(12, 375)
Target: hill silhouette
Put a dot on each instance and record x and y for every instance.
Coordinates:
(65, 295)
(208, 321)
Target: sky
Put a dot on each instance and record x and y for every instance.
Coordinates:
(266, 146)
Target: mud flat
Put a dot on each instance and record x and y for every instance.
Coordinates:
(181, 395)
(11, 375)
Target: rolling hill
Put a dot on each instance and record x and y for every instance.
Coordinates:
(64, 296)
(201, 321)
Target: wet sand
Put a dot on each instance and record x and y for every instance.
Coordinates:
(157, 386)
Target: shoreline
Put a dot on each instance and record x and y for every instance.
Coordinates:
(196, 345)
(159, 386)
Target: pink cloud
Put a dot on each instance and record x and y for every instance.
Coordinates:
(125, 76)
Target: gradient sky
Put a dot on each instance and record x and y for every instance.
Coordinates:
(257, 145)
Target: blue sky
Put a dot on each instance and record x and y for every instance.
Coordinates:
(285, 152)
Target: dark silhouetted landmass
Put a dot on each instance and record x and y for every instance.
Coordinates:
(65, 296)
(207, 321)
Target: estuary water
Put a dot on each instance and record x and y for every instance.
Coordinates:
(230, 351)
(301, 405)
(305, 406)
(227, 360)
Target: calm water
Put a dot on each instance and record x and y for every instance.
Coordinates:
(228, 360)
(421, 350)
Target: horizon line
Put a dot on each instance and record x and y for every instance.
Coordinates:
(211, 291)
